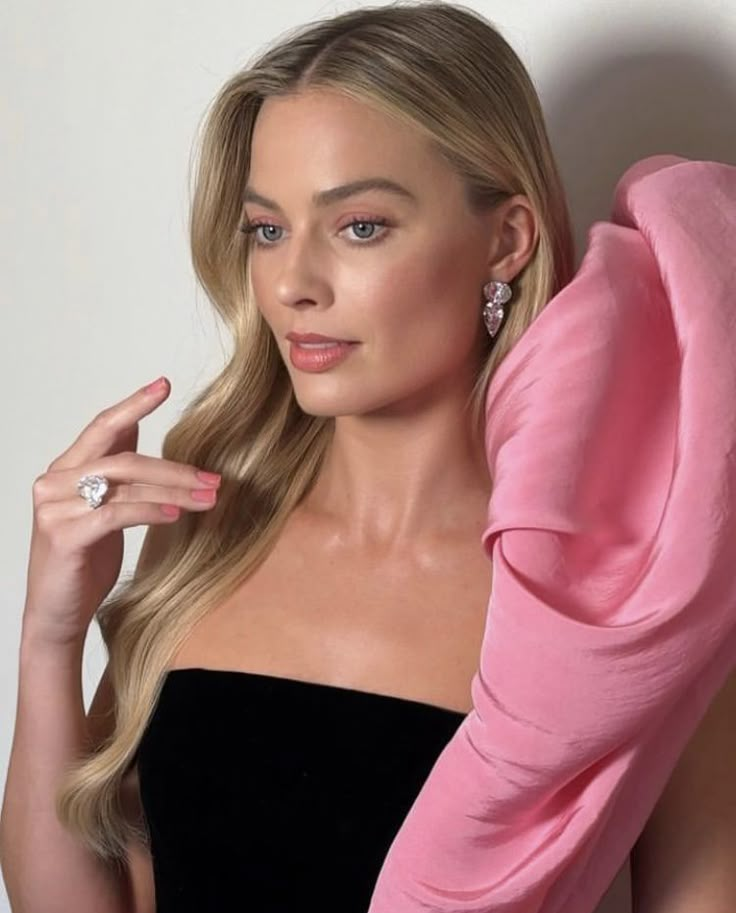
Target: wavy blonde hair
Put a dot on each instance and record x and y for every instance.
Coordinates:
(449, 73)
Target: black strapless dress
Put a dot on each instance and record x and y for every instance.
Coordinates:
(274, 795)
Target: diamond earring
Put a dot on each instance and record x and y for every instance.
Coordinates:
(497, 293)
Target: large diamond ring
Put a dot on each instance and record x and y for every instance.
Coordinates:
(92, 489)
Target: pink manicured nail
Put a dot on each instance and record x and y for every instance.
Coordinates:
(203, 494)
(211, 478)
(155, 385)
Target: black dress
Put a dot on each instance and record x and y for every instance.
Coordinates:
(274, 795)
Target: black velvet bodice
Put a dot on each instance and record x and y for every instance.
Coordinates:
(274, 795)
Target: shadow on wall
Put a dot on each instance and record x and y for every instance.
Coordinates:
(629, 98)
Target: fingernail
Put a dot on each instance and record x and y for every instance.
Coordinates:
(211, 478)
(155, 385)
(203, 494)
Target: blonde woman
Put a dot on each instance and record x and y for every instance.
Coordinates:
(377, 219)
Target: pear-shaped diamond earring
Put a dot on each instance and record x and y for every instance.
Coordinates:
(497, 293)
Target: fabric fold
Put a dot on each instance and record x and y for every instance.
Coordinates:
(611, 625)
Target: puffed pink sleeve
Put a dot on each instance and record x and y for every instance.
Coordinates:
(611, 441)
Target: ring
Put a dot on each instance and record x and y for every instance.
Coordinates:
(93, 488)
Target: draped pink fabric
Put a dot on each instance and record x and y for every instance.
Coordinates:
(611, 626)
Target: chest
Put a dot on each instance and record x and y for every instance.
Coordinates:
(409, 626)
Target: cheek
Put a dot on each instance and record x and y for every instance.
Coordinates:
(261, 297)
(417, 313)
(423, 309)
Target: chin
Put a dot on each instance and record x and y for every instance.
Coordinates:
(327, 406)
(323, 411)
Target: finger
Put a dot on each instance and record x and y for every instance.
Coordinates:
(109, 425)
(126, 440)
(69, 531)
(120, 469)
(187, 499)
(190, 499)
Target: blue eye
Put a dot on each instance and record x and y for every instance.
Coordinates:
(250, 228)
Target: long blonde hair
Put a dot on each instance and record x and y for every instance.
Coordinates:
(448, 72)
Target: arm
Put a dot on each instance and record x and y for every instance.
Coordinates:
(45, 867)
(685, 858)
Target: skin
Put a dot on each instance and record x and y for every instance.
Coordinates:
(403, 468)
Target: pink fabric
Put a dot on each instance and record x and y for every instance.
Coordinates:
(611, 439)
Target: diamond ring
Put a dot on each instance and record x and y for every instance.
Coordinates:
(92, 488)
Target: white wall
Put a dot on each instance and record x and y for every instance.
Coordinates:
(100, 104)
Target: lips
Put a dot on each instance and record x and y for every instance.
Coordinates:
(315, 337)
(319, 356)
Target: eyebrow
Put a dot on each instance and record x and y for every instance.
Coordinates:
(335, 194)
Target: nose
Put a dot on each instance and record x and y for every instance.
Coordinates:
(300, 279)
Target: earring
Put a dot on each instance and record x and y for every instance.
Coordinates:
(497, 293)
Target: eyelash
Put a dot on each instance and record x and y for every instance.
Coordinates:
(249, 228)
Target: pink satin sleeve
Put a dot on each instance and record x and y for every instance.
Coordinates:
(611, 441)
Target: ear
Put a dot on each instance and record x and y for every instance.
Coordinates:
(514, 237)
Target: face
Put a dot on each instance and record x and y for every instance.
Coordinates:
(398, 274)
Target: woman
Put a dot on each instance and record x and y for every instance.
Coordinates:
(298, 643)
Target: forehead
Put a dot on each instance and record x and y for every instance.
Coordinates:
(317, 139)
